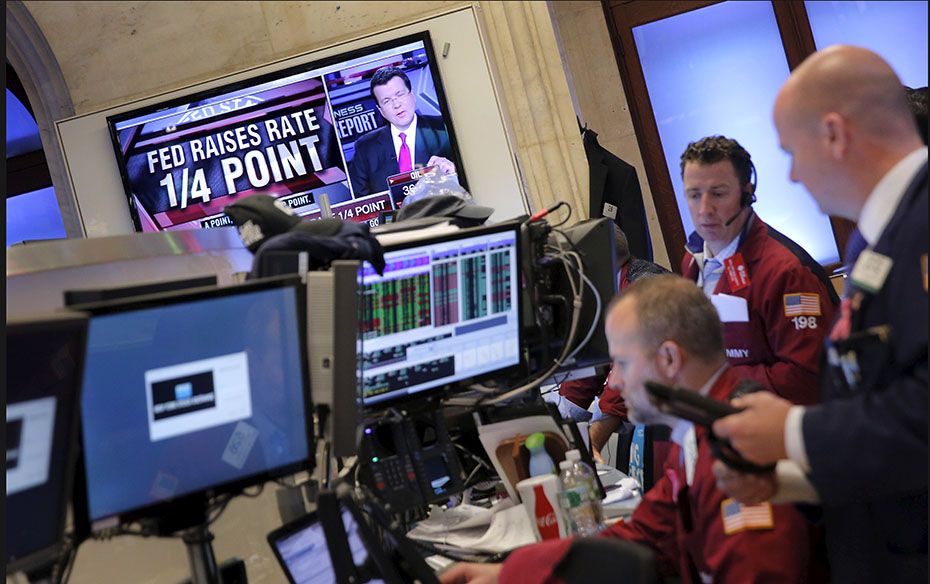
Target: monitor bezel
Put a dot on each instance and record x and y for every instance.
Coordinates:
(77, 297)
(450, 388)
(84, 524)
(66, 320)
(348, 55)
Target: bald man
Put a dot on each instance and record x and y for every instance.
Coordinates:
(862, 454)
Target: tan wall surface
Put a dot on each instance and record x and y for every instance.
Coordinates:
(114, 52)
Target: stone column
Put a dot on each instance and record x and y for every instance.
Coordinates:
(538, 104)
(34, 62)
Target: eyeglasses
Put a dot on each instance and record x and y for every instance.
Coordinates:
(395, 98)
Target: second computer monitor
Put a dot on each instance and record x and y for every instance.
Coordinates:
(446, 311)
(193, 394)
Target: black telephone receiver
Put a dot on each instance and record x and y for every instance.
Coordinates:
(704, 411)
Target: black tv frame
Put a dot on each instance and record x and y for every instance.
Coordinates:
(458, 386)
(188, 510)
(265, 78)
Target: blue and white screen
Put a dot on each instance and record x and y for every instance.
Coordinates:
(305, 554)
(185, 397)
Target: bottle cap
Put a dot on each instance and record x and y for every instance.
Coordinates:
(535, 440)
(572, 455)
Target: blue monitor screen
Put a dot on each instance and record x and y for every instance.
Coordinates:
(191, 395)
(445, 311)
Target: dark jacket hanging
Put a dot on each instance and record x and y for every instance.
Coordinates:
(614, 181)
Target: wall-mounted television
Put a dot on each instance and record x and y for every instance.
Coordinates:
(297, 134)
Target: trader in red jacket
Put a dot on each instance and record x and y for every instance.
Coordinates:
(664, 329)
(775, 326)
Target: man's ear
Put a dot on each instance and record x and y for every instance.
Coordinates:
(836, 135)
(669, 359)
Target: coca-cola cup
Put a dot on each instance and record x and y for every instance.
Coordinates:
(540, 496)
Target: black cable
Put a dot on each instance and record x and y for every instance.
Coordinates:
(567, 217)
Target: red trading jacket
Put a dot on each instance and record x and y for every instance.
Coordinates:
(684, 525)
(779, 351)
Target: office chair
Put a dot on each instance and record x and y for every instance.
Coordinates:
(589, 559)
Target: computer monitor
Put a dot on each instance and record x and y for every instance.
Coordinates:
(445, 313)
(593, 241)
(44, 359)
(75, 298)
(190, 395)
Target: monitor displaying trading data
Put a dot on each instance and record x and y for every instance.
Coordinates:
(446, 311)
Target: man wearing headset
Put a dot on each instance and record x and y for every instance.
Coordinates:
(775, 301)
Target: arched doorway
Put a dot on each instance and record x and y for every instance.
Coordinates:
(33, 65)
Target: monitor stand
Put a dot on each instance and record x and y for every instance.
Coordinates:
(189, 518)
(199, 543)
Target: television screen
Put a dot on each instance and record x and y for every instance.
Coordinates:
(44, 359)
(330, 127)
(193, 392)
(446, 311)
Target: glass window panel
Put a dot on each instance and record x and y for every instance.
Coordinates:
(895, 30)
(33, 215)
(717, 70)
(22, 133)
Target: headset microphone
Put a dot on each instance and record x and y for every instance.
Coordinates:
(744, 202)
(747, 197)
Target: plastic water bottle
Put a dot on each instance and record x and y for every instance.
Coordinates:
(579, 499)
(540, 461)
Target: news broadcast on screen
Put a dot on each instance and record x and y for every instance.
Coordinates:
(296, 134)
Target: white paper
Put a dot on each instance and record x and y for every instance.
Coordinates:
(730, 308)
(510, 528)
(461, 517)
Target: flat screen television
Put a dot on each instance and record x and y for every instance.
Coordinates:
(297, 134)
(445, 313)
(44, 359)
(188, 395)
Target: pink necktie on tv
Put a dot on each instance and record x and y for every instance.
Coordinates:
(403, 159)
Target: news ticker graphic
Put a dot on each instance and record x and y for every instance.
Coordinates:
(400, 184)
(197, 395)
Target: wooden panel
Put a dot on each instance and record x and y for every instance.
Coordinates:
(637, 12)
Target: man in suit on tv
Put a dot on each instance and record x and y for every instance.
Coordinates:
(410, 141)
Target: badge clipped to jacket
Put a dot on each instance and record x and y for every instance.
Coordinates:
(737, 273)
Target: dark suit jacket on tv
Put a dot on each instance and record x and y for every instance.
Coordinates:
(375, 159)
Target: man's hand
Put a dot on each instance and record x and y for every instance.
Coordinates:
(464, 573)
(747, 488)
(445, 165)
(600, 431)
(758, 433)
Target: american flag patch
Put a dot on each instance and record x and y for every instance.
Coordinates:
(801, 304)
(738, 517)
